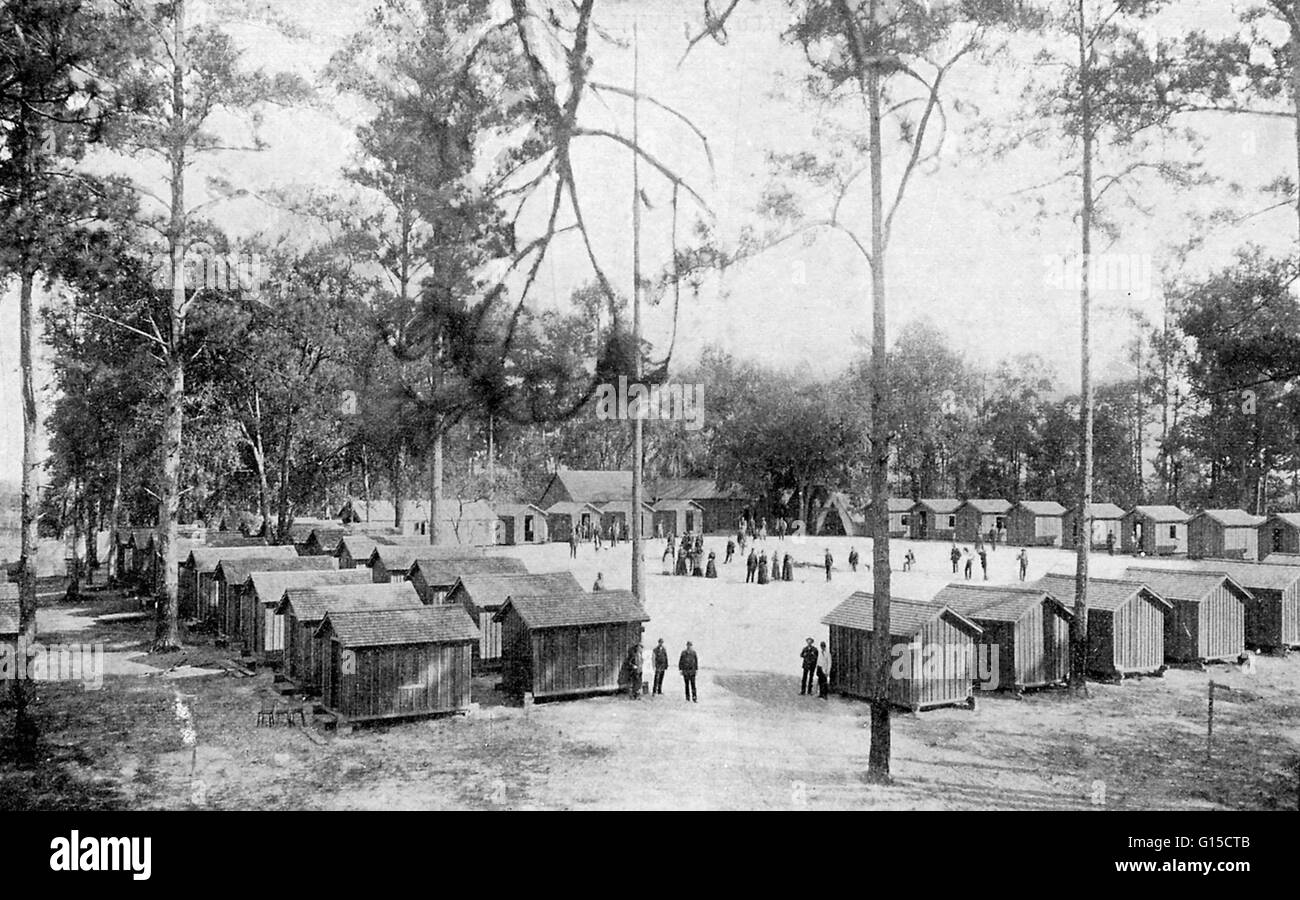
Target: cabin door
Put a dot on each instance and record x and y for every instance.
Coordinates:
(1277, 540)
(690, 522)
(528, 530)
(925, 525)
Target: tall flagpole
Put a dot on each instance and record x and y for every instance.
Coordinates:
(638, 551)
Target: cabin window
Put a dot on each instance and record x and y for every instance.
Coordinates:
(905, 520)
(1173, 532)
(1000, 523)
(952, 521)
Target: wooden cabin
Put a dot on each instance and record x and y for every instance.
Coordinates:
(1027, 627)
(302, 609)
(196, 586)
(521, 523)
(1126, 624)
(1273, 610)
(321, 540)
(1036, 523)
(258, 627)
(434, 578)
(1224, 534)
(568, 644)
(483, 596)
(900, 514)
(677, 517)
(565, 517)
(1107, 520)
(396, 663)
(933, 520)
(394, 562)
(932, 647)
(1280, 533)
(977, 517)
(231, 577)
(1208, 620)
(354, 550)
(1154, 531)
(618, 513)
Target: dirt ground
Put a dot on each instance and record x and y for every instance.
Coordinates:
(152, 738)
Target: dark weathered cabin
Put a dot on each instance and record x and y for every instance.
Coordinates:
(483, 596)
(979, 516)
(1036, 523)
(900, 514)
(397, 663)
(354, 550)
(1107, 522)
(1154, 531)
(566, 517)
(1273, 612)
(394, 562)
(231, 577)
(433, 578)
(322, 540)
(1208, 620)
(1026, 627)
(521, 523)
(259, 628)
(932, 652)
(196, 587)
(934, 520)
(1126, 623)
(1223, 534)
(569, 644)
(1280, 533)
(302, 609)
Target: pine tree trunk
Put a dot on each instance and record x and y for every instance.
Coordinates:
(25, 728)
(435, 492)
(115, 516)
(1079, 625)
(879, 757)
(399, 492)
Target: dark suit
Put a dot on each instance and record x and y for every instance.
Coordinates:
(688, 664)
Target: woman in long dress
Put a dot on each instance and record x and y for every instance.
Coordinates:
(776, 567)
(788, 573)
(762, 568)
(711, 570)
(681, 564)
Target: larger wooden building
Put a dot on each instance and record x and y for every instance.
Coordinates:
(933, 647)
(1126, 624)
(1026, 627)
(934, 520)
(978, 517)
(396, 663)
(1224, 534)
(568, 644)
(1154, 531)
(721, 507)
(434, 578)
(1036, 523)
(483, 596)
(302, 609)
(1208, 620)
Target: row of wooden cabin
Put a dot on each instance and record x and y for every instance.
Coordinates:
(1136, 625)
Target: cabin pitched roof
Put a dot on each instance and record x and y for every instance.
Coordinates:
(905, 616)
(1043, 507)
(1101, 511)
(1233, 518)
(1171, 514)
(693, 489)
(998, 603)
(206, 559)
(988, 506)
(574, 609)
(944, 506)
(1106, 594)
(390, 627)
(310, 604)
(445, 570)
(517, 509)
(1288, 518)
(571, 508)
(236, 571)
(491, 591)
(269, 587)
(1253, 575)
(1184, 584)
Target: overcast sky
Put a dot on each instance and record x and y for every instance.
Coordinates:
(962, 255)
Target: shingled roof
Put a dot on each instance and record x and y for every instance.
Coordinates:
(1233, 518)
(577, 608)
(940, 505)
(390, 627)
(310, 604)
(989, 505)
(492, 591)
(997, 603)
(906, 617)
(269, 587)
(1106, 594)
(1162, 513)
(1102, 510)
(206, 559)
(1252, 575)
(1183, 584)
(1290, 518)
(236, 571)
(1044, 507)
(440, 570)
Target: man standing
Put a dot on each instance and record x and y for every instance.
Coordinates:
(829, 562)
(573, 545)
(853, 559)
(1023, 559)
(823, 672)
(955, 556)
(661, 666)
(731, 551)
(751, 566)
(984, 562)
(809, 656)
(634, 670)
(600, 582)
(970, 561)
(688, 664)
(1110, 543)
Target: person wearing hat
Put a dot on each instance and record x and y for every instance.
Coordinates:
(762, 567)
(830, 560)
(600, 582)
(634, 671)
(788, 568)
(809, 656)
(688, 664)
(823, 672)
(660, 658)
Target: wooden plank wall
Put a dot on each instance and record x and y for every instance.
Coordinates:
(1138, 635)
(1222, 626)
(851, 673)
(406, 680)
(579, 660)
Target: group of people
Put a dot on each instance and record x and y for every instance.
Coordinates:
(757, 569)
(816, 664)
(587, 531)
(753, 529)
(690, 558)
(688, 664)
(962, 556)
